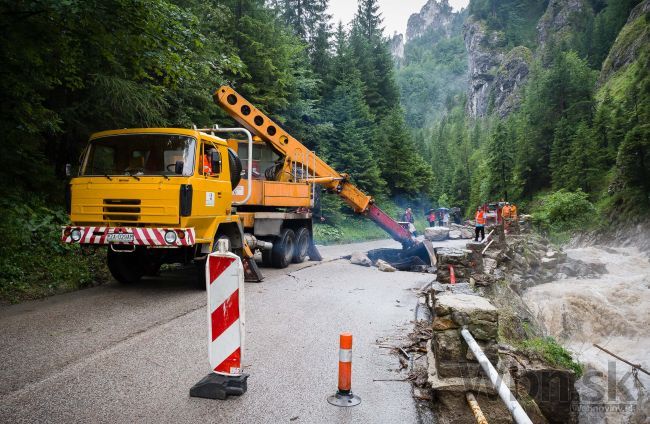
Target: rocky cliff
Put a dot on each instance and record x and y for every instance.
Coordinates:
(396, 44)
(561, 19)
(484, 55)
(497, 72)
(436, 15)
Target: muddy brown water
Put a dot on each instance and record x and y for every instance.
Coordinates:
(612, 310)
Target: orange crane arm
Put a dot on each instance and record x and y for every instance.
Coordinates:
(258, 123)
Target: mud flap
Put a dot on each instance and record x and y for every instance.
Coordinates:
(314, 254)
(252, 273)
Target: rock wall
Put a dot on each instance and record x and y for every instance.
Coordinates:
(484, 57)
(436, 14)
(396, 44)
(562, 17)
(490, 307)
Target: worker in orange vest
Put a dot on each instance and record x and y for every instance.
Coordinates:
(506, 211)
(513, 212)
(480, 224)
(207, 162)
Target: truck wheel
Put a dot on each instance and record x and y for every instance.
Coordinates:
(283, 249)
(302, 246)
(127, 268)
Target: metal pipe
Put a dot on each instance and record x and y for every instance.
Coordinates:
(476, 409)
(637, 366)
(488, 236)
(506, 396)
(487, 247)
(249, 192)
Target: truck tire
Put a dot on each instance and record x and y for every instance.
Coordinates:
(127, 268)
(303, 241)
(283, 249)
(235, 168)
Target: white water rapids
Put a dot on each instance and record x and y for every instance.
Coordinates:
(612, 311)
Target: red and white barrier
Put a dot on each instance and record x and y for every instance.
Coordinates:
(225, 288)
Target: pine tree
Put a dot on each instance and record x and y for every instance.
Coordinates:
(499, 161)
(404, 170)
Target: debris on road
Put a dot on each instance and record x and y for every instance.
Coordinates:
(358, 258)
(385, 266)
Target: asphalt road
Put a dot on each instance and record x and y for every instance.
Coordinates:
(130, 354)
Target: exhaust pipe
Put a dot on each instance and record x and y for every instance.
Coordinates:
(254, 243)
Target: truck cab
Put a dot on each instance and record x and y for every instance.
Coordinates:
(154, 196)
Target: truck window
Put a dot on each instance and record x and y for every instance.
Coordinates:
(140, 154)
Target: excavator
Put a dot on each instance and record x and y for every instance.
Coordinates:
(167, 195)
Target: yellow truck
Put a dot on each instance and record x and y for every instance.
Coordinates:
(166, 195)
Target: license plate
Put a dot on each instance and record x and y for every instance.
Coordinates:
(119, 238)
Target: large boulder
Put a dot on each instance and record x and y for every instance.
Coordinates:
(436, 233)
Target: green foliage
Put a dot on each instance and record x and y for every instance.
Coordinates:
(516, 18)
(434, 69)
(551, 351)
(33, 263)
(564, 212)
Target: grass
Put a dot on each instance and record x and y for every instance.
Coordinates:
(552, 352)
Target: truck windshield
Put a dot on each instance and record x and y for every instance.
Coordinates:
(141, 154)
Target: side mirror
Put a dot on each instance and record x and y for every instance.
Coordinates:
(68, 170)
(215, 159)
(178, 167)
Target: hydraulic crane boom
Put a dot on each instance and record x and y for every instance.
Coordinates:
(260, 124)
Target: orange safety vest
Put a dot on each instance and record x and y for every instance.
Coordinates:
(207, 166)
(480, 218)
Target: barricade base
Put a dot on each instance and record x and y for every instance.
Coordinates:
(217, 386)
(341, 399)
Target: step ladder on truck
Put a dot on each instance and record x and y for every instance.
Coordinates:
(166, 195)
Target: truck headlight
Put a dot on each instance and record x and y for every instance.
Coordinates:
(75, 234)
(170, 237)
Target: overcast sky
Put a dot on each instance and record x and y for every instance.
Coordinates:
(395, 12)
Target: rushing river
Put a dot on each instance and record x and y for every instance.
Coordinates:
(612, 311)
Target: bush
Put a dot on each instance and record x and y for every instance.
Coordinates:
(33, 261)
(564, 212)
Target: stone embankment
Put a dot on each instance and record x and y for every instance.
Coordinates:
(486, 300)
